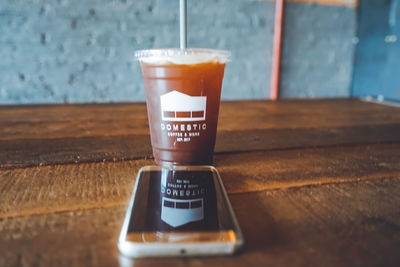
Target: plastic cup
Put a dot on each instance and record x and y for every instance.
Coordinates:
(183, 90)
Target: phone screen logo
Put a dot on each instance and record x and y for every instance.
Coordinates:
(177, 212)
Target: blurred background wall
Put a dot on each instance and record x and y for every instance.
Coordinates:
(56, 51)
(377, 58)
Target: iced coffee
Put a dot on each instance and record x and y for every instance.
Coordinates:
(183, 89)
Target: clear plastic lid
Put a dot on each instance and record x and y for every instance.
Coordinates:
(186, 56)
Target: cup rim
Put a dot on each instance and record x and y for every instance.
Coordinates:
(223, 55)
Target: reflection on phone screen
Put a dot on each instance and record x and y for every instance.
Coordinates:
(177, 206)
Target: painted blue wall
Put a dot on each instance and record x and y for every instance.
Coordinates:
(318, 50)
(55, 51)
(377, 60)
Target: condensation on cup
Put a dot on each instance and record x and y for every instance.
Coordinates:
(183, 90)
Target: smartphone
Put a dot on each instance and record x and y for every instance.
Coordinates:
(179, 211)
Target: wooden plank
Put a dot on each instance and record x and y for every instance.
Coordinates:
(60, 134)
(289, 138)
(38, 190)
(66, 120)
(304, 113)
(63, 121)
(40, 152)
(258, 171)
(344, 224)
(47, 189)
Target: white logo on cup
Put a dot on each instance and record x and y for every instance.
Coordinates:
(176, 106)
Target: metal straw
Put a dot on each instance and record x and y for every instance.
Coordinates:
(183, 23)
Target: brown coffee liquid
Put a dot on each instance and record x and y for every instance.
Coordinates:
(182, 106)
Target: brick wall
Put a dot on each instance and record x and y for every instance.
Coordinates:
(54, 51)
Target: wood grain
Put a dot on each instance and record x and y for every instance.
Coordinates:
(258, 171)
(41, 152)
(47, 189)
(36, 136)
(313, 182)
(63, 121)
(39, 190)
(326, 225)
(79, 120)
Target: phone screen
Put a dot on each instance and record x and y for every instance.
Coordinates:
(179, 205)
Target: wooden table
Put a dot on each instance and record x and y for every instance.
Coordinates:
(312, 182)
